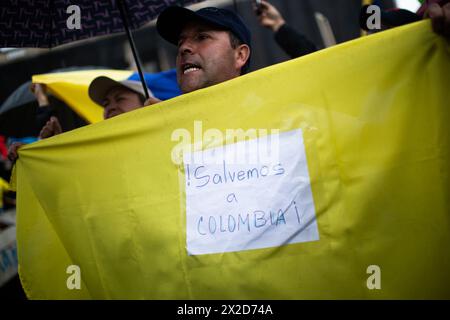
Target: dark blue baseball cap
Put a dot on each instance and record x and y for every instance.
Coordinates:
(171, 21)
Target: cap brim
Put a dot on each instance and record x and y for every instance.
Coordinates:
(171, 21)
(100, 86)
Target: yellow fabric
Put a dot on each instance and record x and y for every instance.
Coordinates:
(72, 87)
(374, 114)
(4, 186)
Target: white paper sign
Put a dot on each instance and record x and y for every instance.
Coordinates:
(236, 201)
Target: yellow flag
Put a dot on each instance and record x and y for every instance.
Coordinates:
(72, 87)
(351, 203)
(4, 186)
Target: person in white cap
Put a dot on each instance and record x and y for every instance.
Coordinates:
(116, 97)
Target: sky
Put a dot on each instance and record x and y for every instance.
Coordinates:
(411, 5)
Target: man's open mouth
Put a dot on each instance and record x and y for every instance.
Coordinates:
(189, 67)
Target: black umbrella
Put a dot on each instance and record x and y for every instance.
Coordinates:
(45, 23)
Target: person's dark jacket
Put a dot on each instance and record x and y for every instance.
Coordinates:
(43, 114)
(293, 43)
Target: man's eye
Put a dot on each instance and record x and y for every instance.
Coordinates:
(203, 36)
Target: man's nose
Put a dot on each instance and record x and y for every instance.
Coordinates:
(186, 47)
(109, 107)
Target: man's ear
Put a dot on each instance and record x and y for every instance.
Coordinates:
(242, 54)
